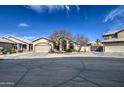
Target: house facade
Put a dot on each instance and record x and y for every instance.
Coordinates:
(63, 44)
(114, 41)
(6, 44)
(20, 45)
(42, 45)
(46, 45)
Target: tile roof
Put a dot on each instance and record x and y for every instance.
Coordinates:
(114, 40)
(113, 32)
(3, 40)
(18, 40)
(42, 38)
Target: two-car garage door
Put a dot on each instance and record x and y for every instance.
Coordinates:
(43, 48)
(114, 47)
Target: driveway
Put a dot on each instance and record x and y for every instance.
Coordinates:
(62, 72)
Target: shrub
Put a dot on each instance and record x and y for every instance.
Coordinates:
(7, 51)
(1, 51)
(68, 50)
(4, 51)
(12, 51)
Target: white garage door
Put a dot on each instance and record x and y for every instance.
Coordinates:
(42, 48)
(114, 48)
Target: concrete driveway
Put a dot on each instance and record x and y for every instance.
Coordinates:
(62, 72)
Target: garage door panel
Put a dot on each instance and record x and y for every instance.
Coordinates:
(114, 48)
(42, 48)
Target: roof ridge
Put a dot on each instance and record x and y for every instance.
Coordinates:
(19, 39)
(41, 38)
(113, 32)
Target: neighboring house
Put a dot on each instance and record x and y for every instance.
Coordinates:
(43, 45)
(6, 44)
(46, 45)
(19, 44)
(114, 41)
(96, 46)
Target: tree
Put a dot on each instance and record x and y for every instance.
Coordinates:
(97, 42)
(81, 40)
(60, 34)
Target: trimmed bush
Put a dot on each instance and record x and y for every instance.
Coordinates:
(4, 51)
(7, 51)
(12, 51)
(68, 50)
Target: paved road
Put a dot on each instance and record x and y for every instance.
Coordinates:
(62, 72)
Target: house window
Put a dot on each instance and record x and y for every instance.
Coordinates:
(15, 46)
(105, 38)
(114, 36)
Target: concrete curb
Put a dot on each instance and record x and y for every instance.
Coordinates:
(18, 56)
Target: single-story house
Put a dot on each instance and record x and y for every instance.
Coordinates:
(5, 44)
(20, 45)
(42, 45)
(114, 41)
(46, 45)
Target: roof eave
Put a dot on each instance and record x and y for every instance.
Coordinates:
(42, 38)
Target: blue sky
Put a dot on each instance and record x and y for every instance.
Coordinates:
(31, 22)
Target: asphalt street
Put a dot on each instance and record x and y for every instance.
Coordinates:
(62, 72)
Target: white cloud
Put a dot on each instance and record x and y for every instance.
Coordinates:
(50, 8)
(118, 12)
(36, 8)
(29, 37)
(115, 18)
(23, 25)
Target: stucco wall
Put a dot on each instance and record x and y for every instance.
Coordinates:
(121, 34)
(85, 48)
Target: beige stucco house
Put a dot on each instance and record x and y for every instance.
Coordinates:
(19, 44)
(46, 45)
(6, 44)
(114, 41)
(43, 45)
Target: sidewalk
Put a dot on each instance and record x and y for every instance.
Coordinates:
(87, 54)
(31, 55)
(13, 55)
